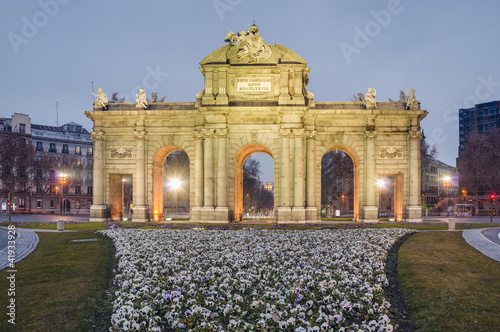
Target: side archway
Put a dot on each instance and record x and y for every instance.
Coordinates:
(239, 161)
(355, 162)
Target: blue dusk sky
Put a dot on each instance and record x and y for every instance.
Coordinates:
(448, 51)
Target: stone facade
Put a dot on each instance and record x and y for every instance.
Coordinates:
(252, 103)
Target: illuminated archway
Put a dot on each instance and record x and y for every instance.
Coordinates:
(158, 161)
(239, 161)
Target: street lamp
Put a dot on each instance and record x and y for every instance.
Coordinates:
(446, 185)
(174, 185)
(63, 180)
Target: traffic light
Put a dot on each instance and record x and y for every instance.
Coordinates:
(492, 197)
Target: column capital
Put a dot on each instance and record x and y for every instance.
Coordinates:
(285, 132)
(415, 135)
(140, 135)
(198, 135)
(311, 134)
(208, 133)
(221, 133)
(372, 134)
(97, 136)
(298, 133)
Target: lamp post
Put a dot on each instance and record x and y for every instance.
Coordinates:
(446, 185)
(123, 197)
(380, 184)
(63, 180)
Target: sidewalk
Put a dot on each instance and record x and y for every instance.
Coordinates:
(26, 242)
(476, 239)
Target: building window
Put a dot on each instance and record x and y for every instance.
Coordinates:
(89, 176)
(22, 128)
(39, 204)
(39, 174)
(78, 190)
(52, 174)
(39, 146)
(39, 190)
(90, 151)
(78, 162)
(52, 205)
(52, 147)
(77, 205)
(21, 202)
(89, 190)
(90, 162)
(78, 149)
(65, 148)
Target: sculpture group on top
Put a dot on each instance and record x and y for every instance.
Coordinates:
(407, 98)
(141, 101)
(250, 44)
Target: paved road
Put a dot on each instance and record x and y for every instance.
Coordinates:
(465, 219)
(43, 217)
(3, 238)
(493, 234)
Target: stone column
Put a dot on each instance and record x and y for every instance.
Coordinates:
(413, 209)
(298, 210)
(140, 199)
(370, 210)
(222, 210)
(98, 210)
(198, 176)
(208, 158)
(222, 94)
(284, 95)
(284, 209)
(311, 208)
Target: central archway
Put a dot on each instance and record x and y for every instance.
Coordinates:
(239, 161)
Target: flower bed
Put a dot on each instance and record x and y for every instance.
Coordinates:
(260, 280)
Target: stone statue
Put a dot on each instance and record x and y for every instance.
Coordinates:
(102, 99)
(114, 98)
(142, 100)
(154, 98)
(250, 44)
(370, 98)
(402, 98)
(410, 99)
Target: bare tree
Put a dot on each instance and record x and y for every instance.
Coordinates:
(479, 164)
(337, 176)
(17, 157)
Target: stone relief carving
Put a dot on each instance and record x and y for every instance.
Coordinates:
(208, 133)
(250, 45)
(97, 135)
(142, 100)
(311, 134)
(391, 152)
(198, 134)
(121, 152)
(300, 132)
(102, 99)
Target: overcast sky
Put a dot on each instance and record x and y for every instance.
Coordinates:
(51, 51)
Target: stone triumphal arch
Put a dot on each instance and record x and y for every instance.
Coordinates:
(254, 99)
